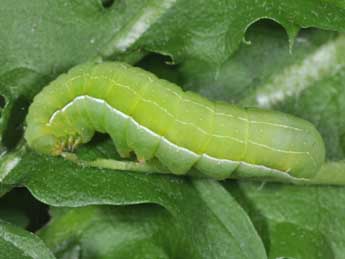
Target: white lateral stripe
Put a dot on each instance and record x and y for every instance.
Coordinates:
(153, 133)
(147, 101)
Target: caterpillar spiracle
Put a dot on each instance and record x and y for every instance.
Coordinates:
(158, 120)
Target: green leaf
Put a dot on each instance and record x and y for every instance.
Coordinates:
(14, 216)
(230, 233)
(50, 36)
(211, 31)
(110, 232)
(299, 222)
(257, 70)
(150, 232)
(18, 243)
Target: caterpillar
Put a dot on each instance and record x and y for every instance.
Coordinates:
(158, 120)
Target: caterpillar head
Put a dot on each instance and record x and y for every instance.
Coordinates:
(46, 144)
(43, 139)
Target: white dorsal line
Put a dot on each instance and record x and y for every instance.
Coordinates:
(205, 107)
(194, 103)
(230, 115)
(186, 100)
(245, 151)
(117, 111)
(192, 124)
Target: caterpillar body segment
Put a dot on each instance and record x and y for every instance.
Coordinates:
(157, 120)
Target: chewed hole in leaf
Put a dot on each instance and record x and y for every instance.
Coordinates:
(264, 23)
(107, 3)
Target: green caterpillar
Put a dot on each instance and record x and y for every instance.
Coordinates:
(158, 120)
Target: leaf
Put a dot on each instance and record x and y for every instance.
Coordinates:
(241, 80)
(59, 183)
(33, 42)
(299, 222)
(155, 233)
(110, 232)
(14, 216)
(230, 216)
(18, 243)
(211, 32)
